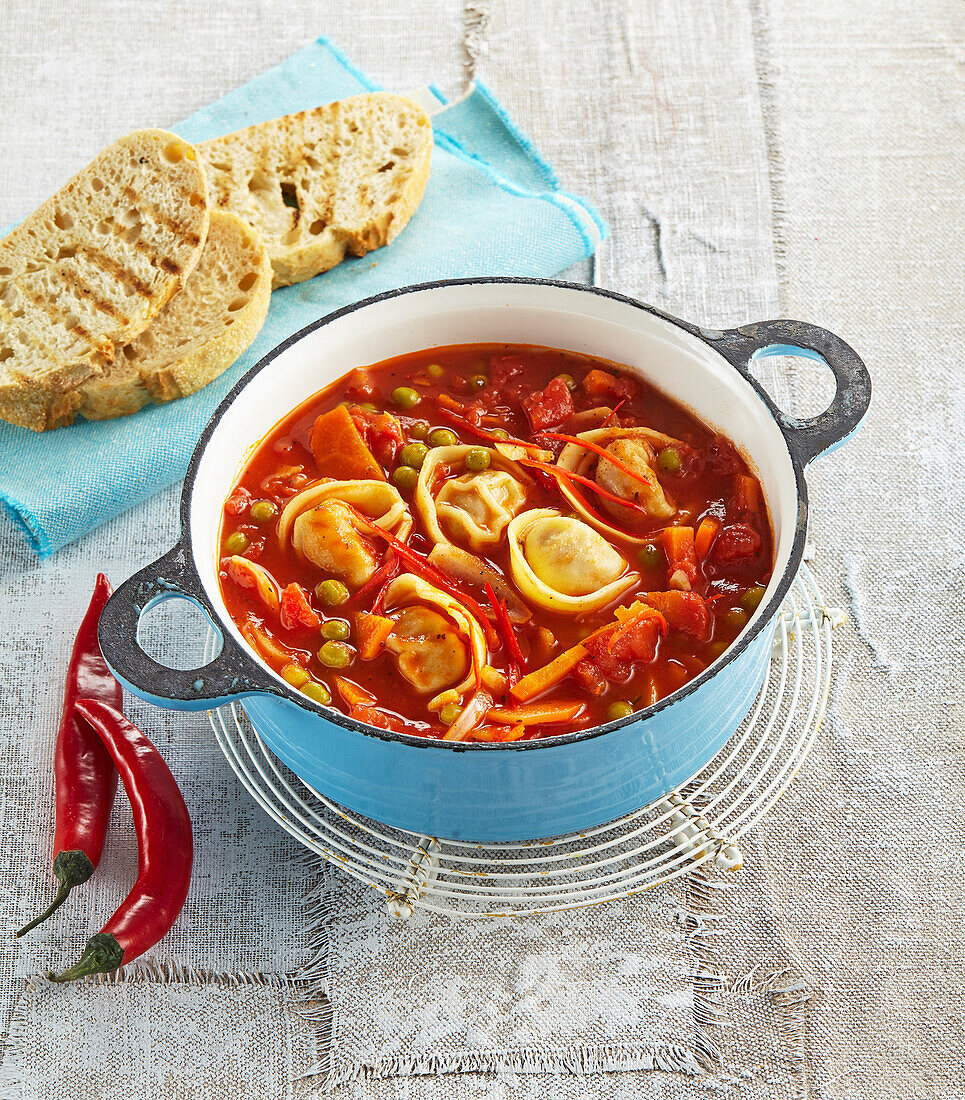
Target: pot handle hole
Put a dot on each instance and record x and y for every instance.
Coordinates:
(811, 436)
(230, 675)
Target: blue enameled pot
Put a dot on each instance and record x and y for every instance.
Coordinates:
(520, 790)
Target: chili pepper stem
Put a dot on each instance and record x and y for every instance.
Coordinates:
(102, 955)
(71, 868)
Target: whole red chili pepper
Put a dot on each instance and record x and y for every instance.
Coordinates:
(165, 847)
(85, 777)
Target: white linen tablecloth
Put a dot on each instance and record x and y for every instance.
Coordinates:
(753, 158)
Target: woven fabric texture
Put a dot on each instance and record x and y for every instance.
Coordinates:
(753, 158)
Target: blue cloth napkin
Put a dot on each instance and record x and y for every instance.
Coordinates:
(492, 207)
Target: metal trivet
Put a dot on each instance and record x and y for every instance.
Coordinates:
(701, 822)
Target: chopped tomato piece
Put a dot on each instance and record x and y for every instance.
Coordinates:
(339, 448)
(722, 458)
(550, 406)
(600, 385)
(588, 675)
(684, 611)
(382, 433)
(295, 610)
(736, 543)
(238, 502)
(360, 386)
(504, 368)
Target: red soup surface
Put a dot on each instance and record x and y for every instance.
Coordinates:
(492, 543)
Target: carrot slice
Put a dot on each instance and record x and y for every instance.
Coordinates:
(371, 634)
(748, 493)
(535, 683)
(339, 449)
(269, 648)
(536, 713)
(678, 543)
(352, 693)
(706, 533)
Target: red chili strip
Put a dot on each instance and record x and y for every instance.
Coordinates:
(84, 776)
(603, 453)
(570, 475)
(427, 570)
(378, 582)
(164, 842)
(474, 429)
(505, 629)
(613, 412)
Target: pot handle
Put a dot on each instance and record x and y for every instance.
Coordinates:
(231, 675)
(811, 436)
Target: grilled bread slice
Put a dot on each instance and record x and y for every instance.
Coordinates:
(342, 178)
(198, 334)
(88, 271)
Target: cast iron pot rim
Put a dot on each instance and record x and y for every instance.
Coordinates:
(289, 694)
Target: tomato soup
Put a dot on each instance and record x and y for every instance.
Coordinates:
(492, 543)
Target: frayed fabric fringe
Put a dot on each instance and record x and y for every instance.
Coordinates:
(169, 971)
(579, 1061)
(787, 994)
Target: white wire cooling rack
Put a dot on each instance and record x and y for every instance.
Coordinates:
(700, 822)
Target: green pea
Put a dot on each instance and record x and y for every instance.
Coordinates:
(736, 619)
(332, 593)
(442, 437)
(318, 692)
(752, 597)
(295, 675)
(717, 648)
(619, 709)
(499, 433)
(335, 654)
(413, 454)
(337, 630)
(568, 380)
(477, 458)
(449, 713)
(651, 556)
(669, 460)
(434, 370)
(419, 430)
(405, 397)
(477, 381)
(405, 477)
(236, 543)
(262, 510)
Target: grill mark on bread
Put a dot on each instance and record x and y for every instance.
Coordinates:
(45, 305)
(85, 290)
(111, 267)
(188, 237)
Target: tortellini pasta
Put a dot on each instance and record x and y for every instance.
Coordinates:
(631, 449)
(321, 525)
(471, 509)
(562, 564)
(438, 644)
